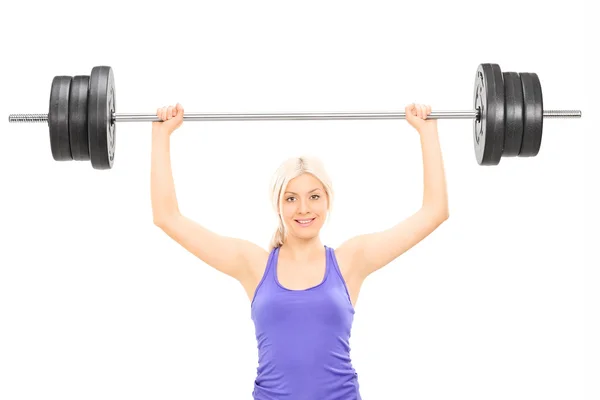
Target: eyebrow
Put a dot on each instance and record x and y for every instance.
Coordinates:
(308, 192)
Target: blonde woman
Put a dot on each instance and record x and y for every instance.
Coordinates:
(303, 293)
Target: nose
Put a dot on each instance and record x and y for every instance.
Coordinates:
(303, 208)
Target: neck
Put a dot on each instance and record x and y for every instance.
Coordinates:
(297, 249)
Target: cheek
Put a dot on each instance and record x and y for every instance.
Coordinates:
(288, 212)
(322, 208)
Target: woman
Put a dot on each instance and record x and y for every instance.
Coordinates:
(303, 293)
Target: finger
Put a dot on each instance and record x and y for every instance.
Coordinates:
(170, 112)
(419, 111)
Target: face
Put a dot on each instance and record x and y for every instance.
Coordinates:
(304, 199)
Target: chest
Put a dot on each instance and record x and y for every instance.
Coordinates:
(301, 276)
(294, 276)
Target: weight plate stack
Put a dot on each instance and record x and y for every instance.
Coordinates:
(58, 118)
(78, 118)
(533, 114)
(488, 129)
(513, 113)
(101, 128)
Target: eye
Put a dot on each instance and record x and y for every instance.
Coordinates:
(314, 195)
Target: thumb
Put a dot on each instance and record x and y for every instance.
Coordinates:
(178, 111)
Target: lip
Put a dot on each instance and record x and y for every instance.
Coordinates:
(305, 225)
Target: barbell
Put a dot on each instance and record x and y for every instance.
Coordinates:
(508, 115)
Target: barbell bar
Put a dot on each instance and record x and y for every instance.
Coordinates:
(507, 114)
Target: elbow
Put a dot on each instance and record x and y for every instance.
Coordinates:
(161, 218)
(441, 216)
(445, 214)
(157, 219)
(440, 213)
(160, 221)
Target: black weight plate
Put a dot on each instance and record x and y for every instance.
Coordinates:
(533, 114)
(58, 118)
(488, 129)
(513, 114)
(101, 128)
(78, 118)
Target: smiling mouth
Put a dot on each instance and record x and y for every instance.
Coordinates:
(305, 221)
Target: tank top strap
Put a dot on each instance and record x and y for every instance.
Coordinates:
(268, 279)
(332, 262)
(270, 269)
(336, 273)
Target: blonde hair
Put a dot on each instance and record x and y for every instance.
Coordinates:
(288, 170)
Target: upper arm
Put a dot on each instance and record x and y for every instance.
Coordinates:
(372, 251)
(229, 255)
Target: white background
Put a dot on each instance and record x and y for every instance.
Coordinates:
(98, 303)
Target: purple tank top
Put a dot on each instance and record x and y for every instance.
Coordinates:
(303, 337)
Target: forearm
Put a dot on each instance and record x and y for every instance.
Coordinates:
(162, 186)
(435, 196)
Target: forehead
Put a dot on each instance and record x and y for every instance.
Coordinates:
(304, 183)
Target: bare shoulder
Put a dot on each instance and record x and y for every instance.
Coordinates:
(345, 255)
(347, 261)
(254, 256)
(257, 258)
(256, 262)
